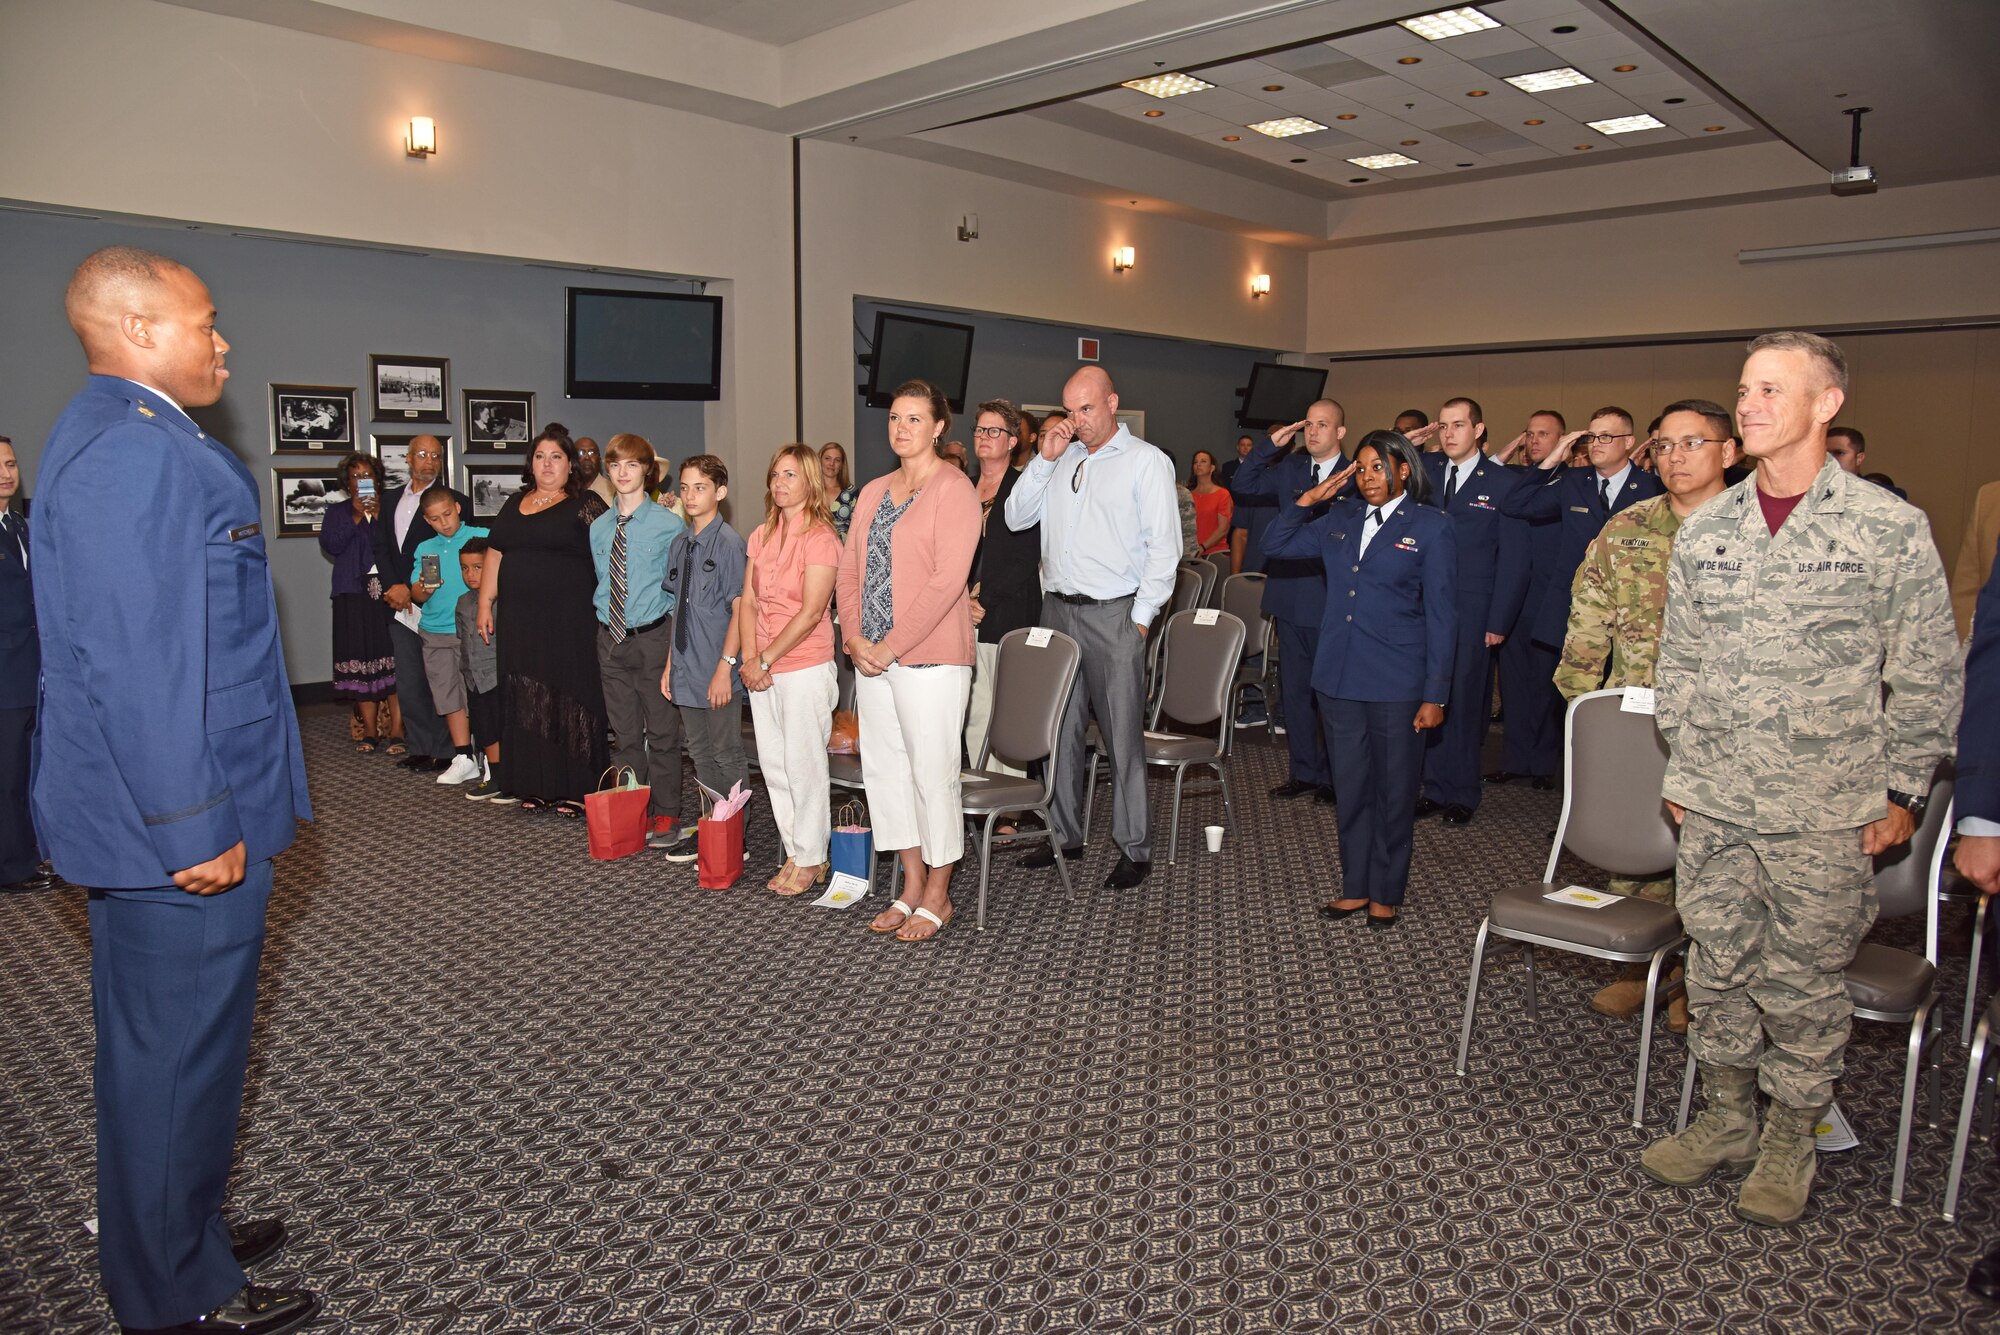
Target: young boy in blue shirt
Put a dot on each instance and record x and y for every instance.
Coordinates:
(438, 585)
(705, 573)
(480, 659)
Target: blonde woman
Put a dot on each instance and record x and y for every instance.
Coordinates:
(838, 481)
(787, 637)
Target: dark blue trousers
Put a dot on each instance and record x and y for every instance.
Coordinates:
(1533, 741)
(173, 979)
(1451, 753)
(1377, 760)
(19, 856)
(1298, 646)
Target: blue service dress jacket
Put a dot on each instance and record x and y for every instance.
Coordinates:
(1492, 547)
(1391, 616)
(1294, 590)
(20, 650)
(1979, 726)
(1570, 496)
(167, 729)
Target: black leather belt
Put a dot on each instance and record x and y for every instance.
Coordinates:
(634, 630)
(1080, 600)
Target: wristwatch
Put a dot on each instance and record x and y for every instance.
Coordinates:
(732, 660)
(1914, 805)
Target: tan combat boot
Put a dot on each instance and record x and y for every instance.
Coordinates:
(1775, 1192)
(1625, 998)
(1723, 1136)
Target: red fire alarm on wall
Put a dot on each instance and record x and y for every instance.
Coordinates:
(1086, 349)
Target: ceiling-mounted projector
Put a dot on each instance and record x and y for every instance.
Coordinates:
(1854, 179)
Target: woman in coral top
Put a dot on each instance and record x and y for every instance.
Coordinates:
(1214, 507)
(907, 616)
(787, 668)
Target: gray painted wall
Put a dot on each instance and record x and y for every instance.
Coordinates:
(297, 313)
(1187, 389)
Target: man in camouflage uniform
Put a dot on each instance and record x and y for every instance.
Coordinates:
(1793, 600)
(1617, 603)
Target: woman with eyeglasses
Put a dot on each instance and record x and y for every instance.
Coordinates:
(1383, 669)
(905, 611)
(1006, 568)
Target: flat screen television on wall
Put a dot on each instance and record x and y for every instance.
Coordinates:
(908, 347)
(1280, 394)
(641, 345)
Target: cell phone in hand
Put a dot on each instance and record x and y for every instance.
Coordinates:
(431, 573)
(365, 488)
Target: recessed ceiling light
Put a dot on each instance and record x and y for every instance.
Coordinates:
(1449, 23)
(1712, 129)
(1465, 164)
(1345, 116)
(1541, 81)
(1623, 69)
(1410, 60)
(1408, 142)
(1297, 160)
(1274, 88)
(1583, 148)
(1477, 92)
(1286, 126)
(1156, 112)
(1536, 121)
(1563, 28)
(1381, 161)
(1627, 124)
(1168, 85)
(1673, 101)
(1357, 180)
(1232, 138)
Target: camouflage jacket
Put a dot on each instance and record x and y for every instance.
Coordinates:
(1778, 649)
(1618, 600)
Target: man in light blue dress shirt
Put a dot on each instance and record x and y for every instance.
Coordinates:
(1111, 538)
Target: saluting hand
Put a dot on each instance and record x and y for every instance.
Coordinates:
(1282, 436)
(1328, 489)
(1423, 433)
(1560, 454)
(1512, 447)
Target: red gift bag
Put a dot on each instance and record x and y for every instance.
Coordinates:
(616, 816)
(719, 851)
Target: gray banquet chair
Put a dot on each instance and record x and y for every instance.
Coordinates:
(1243, 598)
(1613, 818)
(1895, 986)
(1032, 685)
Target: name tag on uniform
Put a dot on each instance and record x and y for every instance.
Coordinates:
(247, 531)
(1579, 509)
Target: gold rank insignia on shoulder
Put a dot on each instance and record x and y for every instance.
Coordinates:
(144, 409)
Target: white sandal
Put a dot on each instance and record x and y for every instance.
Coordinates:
(906, 911)
(936, 922)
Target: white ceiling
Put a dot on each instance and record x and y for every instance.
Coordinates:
(1029, 90)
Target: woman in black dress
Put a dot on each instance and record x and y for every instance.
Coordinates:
(364, 662)
(552, 739)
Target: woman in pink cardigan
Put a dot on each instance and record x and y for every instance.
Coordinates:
(908, 622)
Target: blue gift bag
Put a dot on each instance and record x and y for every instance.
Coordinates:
(852, 849)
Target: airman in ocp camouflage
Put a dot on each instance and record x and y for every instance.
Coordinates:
(1618, 601)
(1793, 601)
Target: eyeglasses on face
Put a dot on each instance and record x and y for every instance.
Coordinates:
(1687, 446)
(991, 432)
(1606, 436)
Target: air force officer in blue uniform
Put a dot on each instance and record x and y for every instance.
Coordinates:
(1492, 580)
(1295, 589)
(168, 776)
(20, 671)
(1383, 672)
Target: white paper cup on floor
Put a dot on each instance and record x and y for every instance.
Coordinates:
(1214, 833)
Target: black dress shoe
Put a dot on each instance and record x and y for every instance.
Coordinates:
(1457, 815)
(1375, 921)
(414, 761)
(1324, 795)
(40, 881)
(1045, 856)
(1334, 914)
(1291, 788)
(1127, 874)
(1500, 776)
(1542, 783)
(436, 764)
(1426, 807)
(1984, 1277)
(255, 1310)
(255, 1240)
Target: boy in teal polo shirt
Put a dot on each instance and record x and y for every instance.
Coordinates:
(436, 587)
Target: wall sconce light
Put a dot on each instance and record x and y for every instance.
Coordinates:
(423, 137)
(1122, 259)
(1260, 286)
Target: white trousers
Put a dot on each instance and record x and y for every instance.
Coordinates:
(979, 712)
(910, 722)
(793, 721)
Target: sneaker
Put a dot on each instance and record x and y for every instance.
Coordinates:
(665, 832)
(1252, 717)
(463, 769)
(688, 849)
(1277, 730)
(483, 791)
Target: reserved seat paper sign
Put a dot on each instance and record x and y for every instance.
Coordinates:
(1582, 897)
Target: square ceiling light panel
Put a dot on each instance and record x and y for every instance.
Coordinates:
(1168, 85)
(1287, 126)
(1383, 161)
(1449, 23)
(1626, 124)
(1543, 81)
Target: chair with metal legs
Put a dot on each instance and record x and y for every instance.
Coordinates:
(1243, 598)
(1186, 594)
(1978, 1080)
(1613, 818)
(1895, 986)
(1033, 680)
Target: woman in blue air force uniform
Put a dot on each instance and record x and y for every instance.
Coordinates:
(1383, 670)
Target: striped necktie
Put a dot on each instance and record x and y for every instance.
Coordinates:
(618, 581)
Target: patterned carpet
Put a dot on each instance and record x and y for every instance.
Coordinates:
(497, 1087)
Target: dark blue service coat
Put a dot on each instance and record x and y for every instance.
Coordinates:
(1294, 590)
(1978, 791)
(1570, 496)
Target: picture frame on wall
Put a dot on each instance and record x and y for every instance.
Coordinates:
(497, 421)
(394, 454)
(490, 484)
(312, 419)
(302, 496)
(410, 389)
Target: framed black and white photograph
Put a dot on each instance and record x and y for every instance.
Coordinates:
(303, 496)
(490, 484)
(312, 419)
(394, 454)
(498, 421)
(410, 389)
